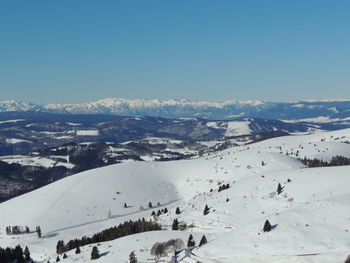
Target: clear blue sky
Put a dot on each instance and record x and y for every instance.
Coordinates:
(69, 51)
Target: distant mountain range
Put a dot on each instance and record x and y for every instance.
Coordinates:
(310, 110)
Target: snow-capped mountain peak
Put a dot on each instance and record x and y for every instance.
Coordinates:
(184, 108)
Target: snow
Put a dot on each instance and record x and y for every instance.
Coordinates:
(14, 141)
(12, 121)
(87, 132)
(73, 124)
(35, 161)
(237, 128)
(312, 214)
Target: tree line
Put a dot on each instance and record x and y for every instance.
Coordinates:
(335, 161)
(14, 255)
(124, 229)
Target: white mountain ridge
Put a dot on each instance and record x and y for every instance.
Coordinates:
(197, 109)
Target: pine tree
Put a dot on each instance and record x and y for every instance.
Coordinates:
(279, 189)
(267, 226)
(125, 205)
(153, 213)
(175, 225)
(203, 241)
(206, 210)
(27, 253)
(190, 241)
(57, 259)
(60, 247)
(38, 231)
(65, 256)
(95, 253)
(177, 212)
(227, 199)
(77, 250)
(132, 257)
(19, 254)
(165, 210)
(150, 205)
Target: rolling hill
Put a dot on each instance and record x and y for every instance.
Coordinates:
(311, 215)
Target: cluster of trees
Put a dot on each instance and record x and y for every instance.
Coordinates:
(124, 229)
(335, 161)
(16, 230)
(159, 212)
(14, 255)
(18, 179)
(192, 243)
(159, 249)
(224, 187)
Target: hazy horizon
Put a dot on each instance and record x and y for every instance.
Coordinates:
(77, 51)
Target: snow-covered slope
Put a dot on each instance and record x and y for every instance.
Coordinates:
(312, 214)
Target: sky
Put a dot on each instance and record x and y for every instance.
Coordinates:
(82, 50)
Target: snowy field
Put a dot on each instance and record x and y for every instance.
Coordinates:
(311, 216)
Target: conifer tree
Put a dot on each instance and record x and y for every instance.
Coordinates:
(177, 211)
(206, 210)
(132, 257)
(64, 255)
(279, 189)
(175, 225)
(60, 247)
(27, 253)
(38, 231)
(165, 210)
(19, 254)
(77, 250)
(150, 205)
(57, 259)
(190, 241)
(267, 226)
(95, 253)
(203, 241)
(125, 205)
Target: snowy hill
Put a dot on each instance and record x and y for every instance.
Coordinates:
(312, 213)
(336, 110)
